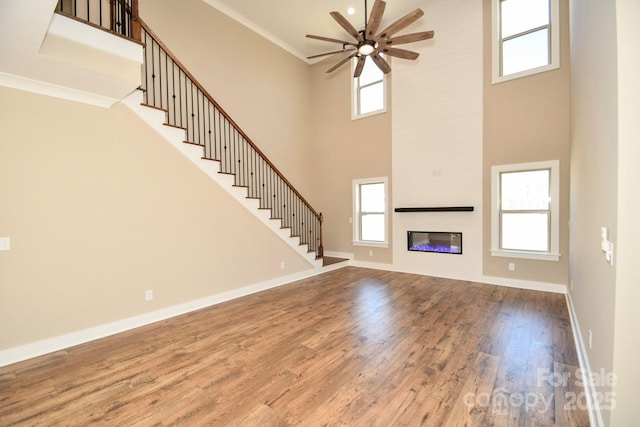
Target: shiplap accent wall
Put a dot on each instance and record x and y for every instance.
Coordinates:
(437, 138)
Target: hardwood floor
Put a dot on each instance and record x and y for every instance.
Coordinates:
(351, 347)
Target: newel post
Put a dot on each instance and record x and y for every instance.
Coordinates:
(136, 33)
(320, 247)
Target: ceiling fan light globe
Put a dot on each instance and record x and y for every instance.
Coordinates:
(366, 49)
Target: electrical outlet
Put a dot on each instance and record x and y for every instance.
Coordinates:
(370, 253)
(148, 295)
(512, 266)
(590, 339)
(5, 243)
(282, 265)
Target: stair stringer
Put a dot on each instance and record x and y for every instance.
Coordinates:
(156, 120)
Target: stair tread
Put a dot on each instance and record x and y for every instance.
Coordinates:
(192, 143)
(152, 106)
(175, 126)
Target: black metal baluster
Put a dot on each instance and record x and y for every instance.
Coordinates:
(183, 100)
(166, 82)
(202, 122)
(207, 149)
(173, 88)
(153, 73)
(215, 132)
(196, 123)
(146, 67)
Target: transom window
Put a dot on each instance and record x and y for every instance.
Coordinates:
(525, 210)
(368, 90)
(526, 37)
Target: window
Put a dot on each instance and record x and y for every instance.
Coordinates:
(370, 212)
(525, 217)
(368, 95)
(526, 37)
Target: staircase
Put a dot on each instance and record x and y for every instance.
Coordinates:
(175, 104)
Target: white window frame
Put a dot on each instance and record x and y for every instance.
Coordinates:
(496, 50)
(357, 241)
(355, 93)
(554, 228)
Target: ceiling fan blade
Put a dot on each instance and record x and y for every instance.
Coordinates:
(409, 38)
(381, 63)
(329, 39)
(375, 18)
(400, 24)
(346, 25)
(328, 53)
(341, 62)
(359, 66)
(400, 53)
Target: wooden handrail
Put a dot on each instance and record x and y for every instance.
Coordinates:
(223, 112)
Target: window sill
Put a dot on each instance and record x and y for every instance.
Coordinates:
(500, 79)
(369, 114)
(541, 256)
(370, 244)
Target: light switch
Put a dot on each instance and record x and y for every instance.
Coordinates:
(5, 243)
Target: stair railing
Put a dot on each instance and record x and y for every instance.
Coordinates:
(168, 86)
(116, 16)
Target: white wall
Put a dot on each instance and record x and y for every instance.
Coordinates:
(626, 351)
(594, 170)
(437, 138)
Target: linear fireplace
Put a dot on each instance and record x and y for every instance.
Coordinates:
(434, 241)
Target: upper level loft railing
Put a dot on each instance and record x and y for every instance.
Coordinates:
(117, 16)
(169, 86)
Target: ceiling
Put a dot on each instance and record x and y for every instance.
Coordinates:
(286, 22)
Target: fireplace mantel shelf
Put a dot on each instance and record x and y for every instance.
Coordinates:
(437, 209)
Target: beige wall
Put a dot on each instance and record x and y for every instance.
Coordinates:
(527, 120)
(344, 150)
(100, 209)
(265, 89)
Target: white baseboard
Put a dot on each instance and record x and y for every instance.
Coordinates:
(334, 254)
(490, 280)
(555, 288)
(38, 348)
(595, 414)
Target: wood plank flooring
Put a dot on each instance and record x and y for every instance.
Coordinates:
(351, 347)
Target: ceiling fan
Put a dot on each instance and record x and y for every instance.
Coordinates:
(368, 44)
